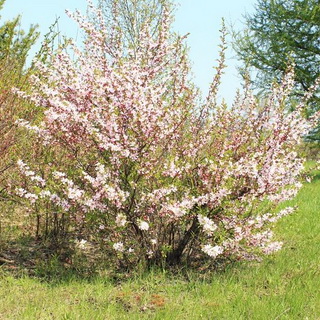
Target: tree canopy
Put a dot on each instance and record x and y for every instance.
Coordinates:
(15, 43)
(281, 31)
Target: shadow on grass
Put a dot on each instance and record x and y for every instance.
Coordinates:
(316, 177)
(32, 258)
(40, 259)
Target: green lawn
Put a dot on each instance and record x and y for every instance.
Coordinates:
(285, 285)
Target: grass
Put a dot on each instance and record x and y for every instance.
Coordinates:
(285, 285)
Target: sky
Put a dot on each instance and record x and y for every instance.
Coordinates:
(200, 18)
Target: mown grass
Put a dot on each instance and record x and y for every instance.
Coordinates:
(285, 285)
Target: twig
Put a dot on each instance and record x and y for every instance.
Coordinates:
(285, 311)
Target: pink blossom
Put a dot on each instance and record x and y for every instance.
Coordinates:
(272, 247)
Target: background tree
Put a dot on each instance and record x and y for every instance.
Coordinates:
(128, 18)
(278, 32)
(15, 45)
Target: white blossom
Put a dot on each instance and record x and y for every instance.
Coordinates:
(82, 244)
(207, 224)
(212, 251)
(121, 220)
(118, 246)
(143, 225)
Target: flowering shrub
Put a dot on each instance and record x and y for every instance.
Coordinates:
(158, 175)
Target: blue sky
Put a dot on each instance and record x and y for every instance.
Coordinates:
(200, 18)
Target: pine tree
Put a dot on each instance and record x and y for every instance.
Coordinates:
(278, 33)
